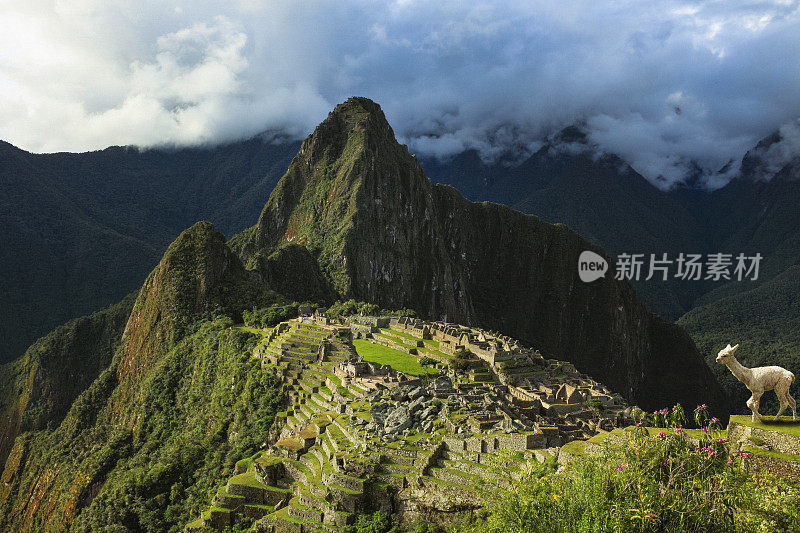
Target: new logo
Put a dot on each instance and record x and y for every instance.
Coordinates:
(591, 266)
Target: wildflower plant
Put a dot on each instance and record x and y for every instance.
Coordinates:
(654, 480)
(677, 417)
(701, 415)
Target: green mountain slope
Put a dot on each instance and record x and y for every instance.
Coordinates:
(80, 231)
(765, 321)
(182, 398)
(163, 423)
(383, 232)
(37, 390)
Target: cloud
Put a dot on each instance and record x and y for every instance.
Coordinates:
(666, 85)
(779, 154)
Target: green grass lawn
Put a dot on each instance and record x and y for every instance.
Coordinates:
(784, 424)
(377, 353)
(246, 463)
(575, 447)
(773, 454)
(248, 478)
(404, 334)
(255, 331)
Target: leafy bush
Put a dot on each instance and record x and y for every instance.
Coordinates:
(353, 307)
(459, 365)
(267, 317)
(377, 522)
(594, 404)
(651, 483)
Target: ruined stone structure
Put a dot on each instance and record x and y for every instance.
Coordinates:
(361, 435)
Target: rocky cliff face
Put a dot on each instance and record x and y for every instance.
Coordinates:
(383, 232)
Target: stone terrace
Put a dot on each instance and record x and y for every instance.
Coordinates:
(363, 435)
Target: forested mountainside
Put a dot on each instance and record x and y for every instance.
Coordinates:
(80, 231)
(606, 201)
(182, 398)
(765, 321)
(381, 231)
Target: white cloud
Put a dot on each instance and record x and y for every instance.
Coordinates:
(663, 84)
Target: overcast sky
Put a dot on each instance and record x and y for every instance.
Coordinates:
(660, 83)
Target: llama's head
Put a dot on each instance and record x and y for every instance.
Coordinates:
(726, 354)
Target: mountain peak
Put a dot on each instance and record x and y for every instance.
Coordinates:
(380, 231)
(356, 109)
(197, 277)
(570, 134)
(357, 119)
(350, 161)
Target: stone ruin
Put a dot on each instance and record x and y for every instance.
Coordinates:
(359, 434)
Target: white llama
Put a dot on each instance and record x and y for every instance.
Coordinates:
(759, 380)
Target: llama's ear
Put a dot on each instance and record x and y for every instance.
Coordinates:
(728, 347)
(734, 348)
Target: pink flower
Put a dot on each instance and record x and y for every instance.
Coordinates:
(660, 435)
(730, 462)
(665, 411)
(723, 439)
(705, 428)
(678, 431)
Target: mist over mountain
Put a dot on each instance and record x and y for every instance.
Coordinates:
(660, 86)
(601, 196)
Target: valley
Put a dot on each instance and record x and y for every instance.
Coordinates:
(470, 342)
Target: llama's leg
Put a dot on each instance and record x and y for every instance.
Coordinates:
(781, 391)
(752, 403)
(793, 405)
(784, 405)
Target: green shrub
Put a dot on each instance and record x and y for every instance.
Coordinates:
(377, 522)
(595, 404)
(650, 483)
(267, 317)
(427, 361)
(459, 365)
(353, 307)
